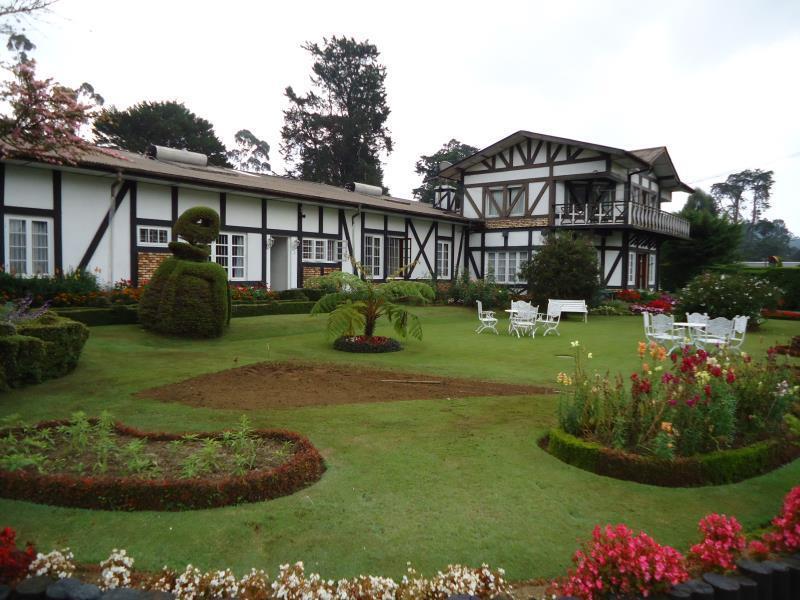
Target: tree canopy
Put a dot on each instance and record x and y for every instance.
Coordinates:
(714, 239)
(731, 194)
(336, 133)
(249, 153)
(167, 123)
(428, 166)
(768, 238)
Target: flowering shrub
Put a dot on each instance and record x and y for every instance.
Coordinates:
(722, 544)
(14, 562)
(628, 295)
(115, 571)
(786, 534)
(250, 294)
(659, 306)
(681, 405)
(617, 561)
(56, 564)
(725, 295)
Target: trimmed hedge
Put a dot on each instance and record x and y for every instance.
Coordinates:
(715, 468)
(127, 314)
(44, 348)
(187, 299)
(128, 493)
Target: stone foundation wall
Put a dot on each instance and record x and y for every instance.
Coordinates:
(542, 221)
(312, 270)
(147, 263)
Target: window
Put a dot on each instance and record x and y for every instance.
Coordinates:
(28, 246)
(493, 208)
(651, 269)
(373, 265)
(503, 267)
(518, 210)
(327, 251)
(153, 236)
(631, 268)
(443, 259)
(397, 251)
(229, 252)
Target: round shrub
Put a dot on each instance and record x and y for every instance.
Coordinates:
(727, 295)
(187, 295)
(362, 343)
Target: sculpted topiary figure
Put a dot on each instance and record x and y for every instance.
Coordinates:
(188, 295)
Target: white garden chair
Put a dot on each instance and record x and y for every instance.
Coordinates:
(739, 330)
(486, 318)
(662, 331)
(549, 321)
(717, 332)
(697, 317)
(516, 306)
(523, 321)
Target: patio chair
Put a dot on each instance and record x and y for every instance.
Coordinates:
(717, 333)
(549, 321)
(662, 331)
(648, 326)
(486, 318)
(736, 339)
(697, 317)
(523, 321)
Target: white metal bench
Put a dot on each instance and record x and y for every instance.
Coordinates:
(569, 306)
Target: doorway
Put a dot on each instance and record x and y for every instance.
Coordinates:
(279, 266)
(641, 271)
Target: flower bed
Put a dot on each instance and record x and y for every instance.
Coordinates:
(133, 470)
(365, 344)
(685, 419)
(789, 315)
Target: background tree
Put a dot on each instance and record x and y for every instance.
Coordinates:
(730, 194)
(250, 153)
(714, 239)
(336, 133)
(768, 238)
(428, 166)
(162, 123)
(565, 267)
(14, 16)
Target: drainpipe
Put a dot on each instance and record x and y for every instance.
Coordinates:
(111, 211)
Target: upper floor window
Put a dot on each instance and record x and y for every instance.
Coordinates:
(229, 252)
(505, 202)
(517, 209)
(29, 245)
(494, 203)
(153, 236)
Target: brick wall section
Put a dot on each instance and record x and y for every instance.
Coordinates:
(147, 264)
(312, 270)
(518, 222)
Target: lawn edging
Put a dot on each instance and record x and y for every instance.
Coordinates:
(715, 468)
(305, 467)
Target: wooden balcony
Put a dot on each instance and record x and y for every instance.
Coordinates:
(620, 214)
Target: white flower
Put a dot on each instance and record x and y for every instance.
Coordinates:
(575, 344)
(589, 355)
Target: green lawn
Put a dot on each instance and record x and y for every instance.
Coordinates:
(433, 482)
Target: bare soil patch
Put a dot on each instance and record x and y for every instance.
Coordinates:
(289, 385)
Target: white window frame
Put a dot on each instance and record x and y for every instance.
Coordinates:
(228, 255)
(651, 269)
(443, 258)
(373, 264)
(501, 268)
(631, 268)
(322, 250)
(29, 220)
(403, 256)
(159, 229)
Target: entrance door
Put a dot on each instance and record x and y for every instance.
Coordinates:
(641, 271)
(279, 265)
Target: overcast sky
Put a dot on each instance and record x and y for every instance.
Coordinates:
(717, 82)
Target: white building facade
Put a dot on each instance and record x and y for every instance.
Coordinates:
(113, 215)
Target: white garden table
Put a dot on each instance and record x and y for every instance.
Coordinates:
(691, 331)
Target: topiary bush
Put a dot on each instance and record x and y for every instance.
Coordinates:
(727, 295)
(187, 295)
(43, 348)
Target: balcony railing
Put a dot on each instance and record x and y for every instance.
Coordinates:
(575, 214)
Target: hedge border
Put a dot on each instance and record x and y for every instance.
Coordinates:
(131, 494)
(127, 313)
(715, 468)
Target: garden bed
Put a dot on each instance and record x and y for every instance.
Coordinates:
(361, 344)
(714, 468)
(91, 463)
(287, 385)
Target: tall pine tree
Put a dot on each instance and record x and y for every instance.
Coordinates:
(337, 132)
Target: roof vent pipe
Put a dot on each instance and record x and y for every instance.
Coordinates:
(177, 156)
(364, 188)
